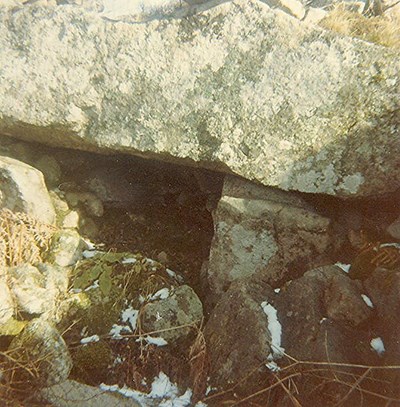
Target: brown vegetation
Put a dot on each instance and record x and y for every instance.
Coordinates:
(382, 30)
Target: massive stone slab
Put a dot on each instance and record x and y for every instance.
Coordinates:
(237, 87)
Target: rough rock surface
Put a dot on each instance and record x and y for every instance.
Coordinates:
(38, 290)
(41, 347)
(261, 229)
(22, 189)
(316, 325)
(6, 301)
(66, 248)
(323, 311)
(237, 87)
(238, 340)
(383, 288)
(180, 309)
(73, 394)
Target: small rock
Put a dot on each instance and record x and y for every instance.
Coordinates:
(344, 303)
(24, 190)
(91, 202)
(66, 248)
(162, 257)
(50, 169)
(71, 220)
(180, 309)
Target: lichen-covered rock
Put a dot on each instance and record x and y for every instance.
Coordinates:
(38, 290)
(23, 189)
(237, 86)
(383, 288)
(323, 302)
(343, 301)
(172, 315)
(6, 301)
(66, 248)
(310, 323)
(237, 335)
(73, 394)
(41, 349)
(260, 229)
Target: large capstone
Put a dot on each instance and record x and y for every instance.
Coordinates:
(236, 87)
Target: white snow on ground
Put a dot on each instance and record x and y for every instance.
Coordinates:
(130, 315)
(275, 330)
(129, 260)
(90, 339)
(344, 267)
(367, 300)
(378, 346)
(273, 366)
(397, 245)
(162, 391)
(174, 275)
(159, 295)
(117, 330)
(151, 340)
(88, 254)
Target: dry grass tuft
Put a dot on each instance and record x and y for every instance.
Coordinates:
(383, 30)
(199, 366)
(22, 238)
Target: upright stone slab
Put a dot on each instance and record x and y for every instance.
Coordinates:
(264, 230)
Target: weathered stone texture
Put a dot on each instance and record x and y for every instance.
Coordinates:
(237, 87)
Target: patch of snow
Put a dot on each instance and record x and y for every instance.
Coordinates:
(88, 254)
(130, 315)
(344, 267)
(162, 387)
(90, 339)
(378, 346)
(116, 331)
(117, 361)
(367, 300)
(273, 366)
(75, 290)
(165, 393)
(174, 275)
(275, 330)
(151, 262)
(397, 245)
(89, 244)
(129, 260)
(152, 340)
(159, 295)
(93, 286)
